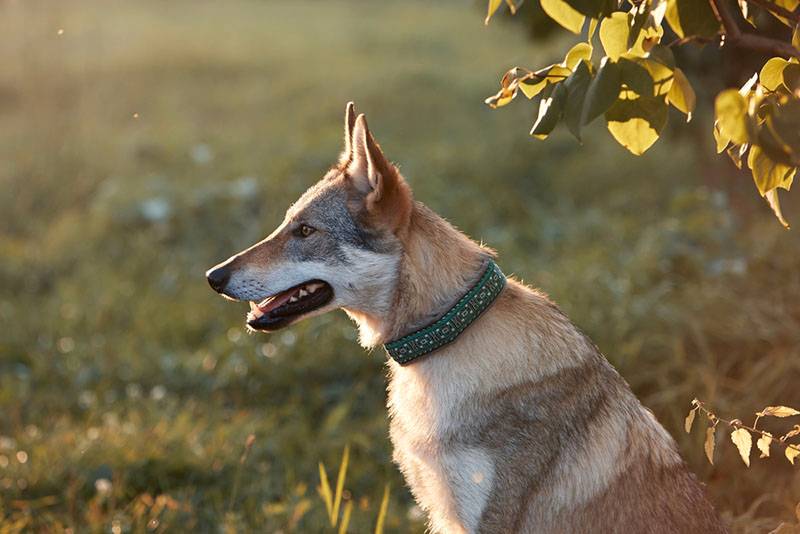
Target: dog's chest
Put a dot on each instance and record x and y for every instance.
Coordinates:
(450, 479)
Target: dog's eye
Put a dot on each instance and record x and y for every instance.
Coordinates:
(304, 230)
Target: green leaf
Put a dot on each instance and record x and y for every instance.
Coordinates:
(783, 124)
(689, 18)
(791, 77)
(594, 8)
(771, 75)
(581, 51)
(636, 77)
(576, 86)
(637, 124)
(493, 6)
(614, 33)
(561, 12)
(602, 92)
(767, 173)
(550, 110)
(731, 112)
(681, 95)
(663, 54)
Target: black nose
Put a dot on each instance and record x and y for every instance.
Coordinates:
(218, 278)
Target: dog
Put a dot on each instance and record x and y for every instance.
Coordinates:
(505, 417)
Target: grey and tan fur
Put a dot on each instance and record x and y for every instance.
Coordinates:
(520, 425)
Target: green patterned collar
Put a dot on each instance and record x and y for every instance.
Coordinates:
(456, 320)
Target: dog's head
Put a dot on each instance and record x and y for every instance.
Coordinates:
(338, 245)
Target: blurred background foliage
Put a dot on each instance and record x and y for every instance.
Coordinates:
(142, 142)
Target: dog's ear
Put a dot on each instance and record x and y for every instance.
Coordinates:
(387, 197)
(349, 123)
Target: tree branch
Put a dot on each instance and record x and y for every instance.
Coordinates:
(778, 10)
(735, 37)
(735, 423)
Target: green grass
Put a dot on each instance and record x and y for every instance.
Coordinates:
(152, 139)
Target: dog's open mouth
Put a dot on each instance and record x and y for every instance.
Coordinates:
(280, 310)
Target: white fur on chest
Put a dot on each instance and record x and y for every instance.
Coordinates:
(452, 484)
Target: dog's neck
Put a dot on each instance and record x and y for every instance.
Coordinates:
(438, 265)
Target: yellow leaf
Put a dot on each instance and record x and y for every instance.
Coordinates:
(731, 111)
(636, 124)
(577, 53)
(722, 140)
(614, 32)
(763, 444)
(709, 444)
(792, 453)
(494, 5)
(744, 442)
(769, 174)
(771, 75)
(778, 411)
(687, 424)
(681, 95)
(564, 14)
(774, 203)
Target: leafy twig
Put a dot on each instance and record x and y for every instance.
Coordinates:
(736, 423)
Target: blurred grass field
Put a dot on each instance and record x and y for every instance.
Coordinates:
(142, 142)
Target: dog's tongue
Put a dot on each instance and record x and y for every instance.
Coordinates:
(274, 302)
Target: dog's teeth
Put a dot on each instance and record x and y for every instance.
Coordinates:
(293, 299)
(255, 311)
(313, 287)
(303, 293)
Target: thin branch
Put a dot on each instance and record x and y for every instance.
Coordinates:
(691, 39)
(778, 10)
(735, 423)
(735, 37)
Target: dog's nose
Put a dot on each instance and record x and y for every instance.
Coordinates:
(218, 278)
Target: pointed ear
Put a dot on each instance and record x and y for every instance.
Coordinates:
(367, 163)
(387, 196)
(349, 123)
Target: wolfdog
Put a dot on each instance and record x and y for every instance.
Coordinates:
(505, 417)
